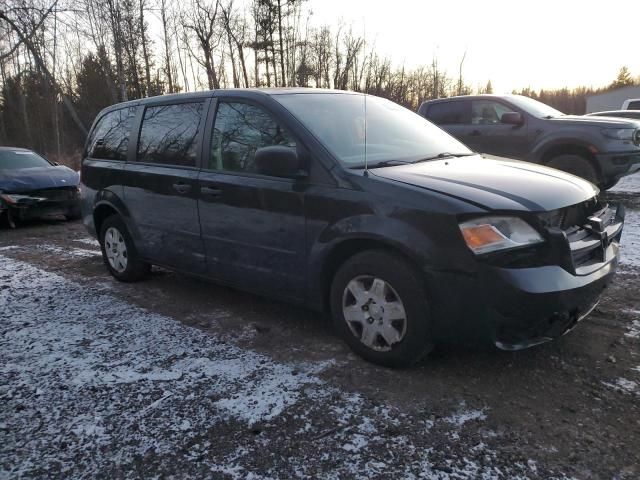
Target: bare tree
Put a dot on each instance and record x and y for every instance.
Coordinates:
(201, 19)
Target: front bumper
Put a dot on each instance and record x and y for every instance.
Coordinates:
(516, 308)
(23, 206)
(614, 166)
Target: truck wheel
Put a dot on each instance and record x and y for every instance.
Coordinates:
(607, 185)
(379, 306)
(119, 253)
(576, 165)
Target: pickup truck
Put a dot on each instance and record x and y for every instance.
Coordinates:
(599, 149)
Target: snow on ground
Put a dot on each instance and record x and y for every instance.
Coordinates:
(68, 252)
(630, 242)
(88, 241)
(91, 385)
(629, 184)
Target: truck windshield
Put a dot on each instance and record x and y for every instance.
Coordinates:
(534, 107)
(15, 159)
(393, 133)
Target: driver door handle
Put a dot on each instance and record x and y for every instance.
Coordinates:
(475, 133)
(213, 192)
(181, 187)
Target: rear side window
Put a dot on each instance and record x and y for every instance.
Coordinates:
(110, 137)
(635, 105)
(240, 129)
(450, 113)
(169, 134)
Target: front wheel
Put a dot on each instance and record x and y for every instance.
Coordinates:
(576, 165)
(379, 306)
(119, 253)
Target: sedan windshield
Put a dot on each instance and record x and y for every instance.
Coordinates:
(534, 107)
(16, 159)
(382, 131)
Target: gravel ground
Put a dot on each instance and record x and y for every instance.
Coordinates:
(179, 377)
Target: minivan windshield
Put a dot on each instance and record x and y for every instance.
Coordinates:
(534, 107)
(393, 133)
(15, 159)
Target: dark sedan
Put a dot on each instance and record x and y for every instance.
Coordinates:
(617, 113)
(32, 186)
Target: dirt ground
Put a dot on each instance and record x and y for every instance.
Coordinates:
(179, 377)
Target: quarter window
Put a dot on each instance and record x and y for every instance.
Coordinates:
(449, 113)
(169, 134)
(634, 105)
(110, 137)
(240, 129)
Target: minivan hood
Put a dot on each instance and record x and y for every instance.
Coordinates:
(602, 122)
(494, 183)
(26, 179)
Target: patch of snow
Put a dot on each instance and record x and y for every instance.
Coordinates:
(9, 247)
(68, 252)
(630, 241)
(629, 184)
(463, 417)
(88, 241)
(634, 329)
(623, 385)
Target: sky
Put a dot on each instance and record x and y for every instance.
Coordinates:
(515, 44)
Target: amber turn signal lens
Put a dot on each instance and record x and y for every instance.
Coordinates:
(480, 235)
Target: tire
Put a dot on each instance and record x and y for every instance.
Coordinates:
(402, 291)
(73, 214)
(607, 185)
(119, 253)
(576, 165)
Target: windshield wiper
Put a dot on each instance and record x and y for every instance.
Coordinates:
(443, 155)
(384, 163)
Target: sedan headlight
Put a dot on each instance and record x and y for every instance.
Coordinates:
(620, 133)
(488, 234)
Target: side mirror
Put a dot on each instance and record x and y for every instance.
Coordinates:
(278, 161)
(512, 118)
(56, 164)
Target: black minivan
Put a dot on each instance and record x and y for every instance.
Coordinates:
(350, 203)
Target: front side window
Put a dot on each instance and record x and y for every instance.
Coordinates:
(240, 129)
(169, 134)
(487, 112)
(110, 137)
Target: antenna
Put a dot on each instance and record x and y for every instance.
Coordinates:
(366, 167)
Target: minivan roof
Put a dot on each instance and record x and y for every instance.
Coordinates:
(244, 92)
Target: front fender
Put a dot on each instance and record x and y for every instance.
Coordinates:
(429, 249)
(576, 138)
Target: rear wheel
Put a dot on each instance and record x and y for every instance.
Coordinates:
(379, 306)
(119, 253)
(576, 165)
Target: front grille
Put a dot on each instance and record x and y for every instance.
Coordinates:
(59, 194)
(565, 218)
(584, 232)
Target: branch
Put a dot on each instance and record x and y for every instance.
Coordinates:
(24, 38)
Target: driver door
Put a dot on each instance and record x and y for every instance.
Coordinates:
(253, 225)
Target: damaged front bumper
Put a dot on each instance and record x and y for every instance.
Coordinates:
(518, 306)
(27, 205)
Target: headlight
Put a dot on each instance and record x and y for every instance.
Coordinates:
(488, 234)
(619, 133)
